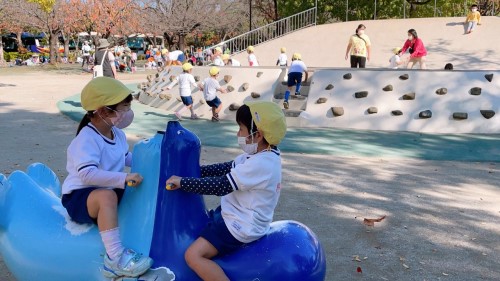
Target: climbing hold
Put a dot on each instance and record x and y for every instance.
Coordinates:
(442, 91)
(321, 100)
(165, 96)
(227, 78)
(362, 94)
(372, 110)
(172, 78)
(425, 114)
(259, 74)
(202, 101)
(234, 106)
(397, 112)
(460, 115)
(197, 78)
(487, 113)
(409, 96)
(404, 77)
(387, 88)
(230, 89)
(255, 95)
(337, 111)
(347, 76)
(476, 91)
(179, 99)
(329, 87)
(489, 77)
(245, 86)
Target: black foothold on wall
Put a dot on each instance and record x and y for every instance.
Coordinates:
(476, 91)
(487, 113)
(347, 76)
(460, 115)
(337, 111)
(489, 77)
(404, 77)
(409, 96)
(388, 88)
(361, 94)
(397, 112)
(425, 114)
(441, 91)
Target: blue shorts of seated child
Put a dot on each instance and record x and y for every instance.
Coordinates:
(187, 101)
(76, 204)
(294, 78)
(218, 235)
(214, 103)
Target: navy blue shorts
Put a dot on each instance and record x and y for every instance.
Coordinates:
(218, 235)
(214, 103)
(187, 100)
(76, 204)
(294, 78)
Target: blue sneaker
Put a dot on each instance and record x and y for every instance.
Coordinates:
(129, 264)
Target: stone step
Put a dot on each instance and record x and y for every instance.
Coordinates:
(280, 96)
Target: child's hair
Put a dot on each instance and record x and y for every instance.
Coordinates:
(244, 117)
(448, 66)
(413, 32)
(86, 118)
(359, 27)
(473, 6)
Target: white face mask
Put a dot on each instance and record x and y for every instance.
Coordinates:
(126, 120)
(250, 148)
(361, 31)
(474, 9)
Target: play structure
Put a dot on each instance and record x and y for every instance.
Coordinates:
(431, 101)
(38, 241)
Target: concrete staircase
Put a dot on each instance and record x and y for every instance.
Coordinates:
(297, 103)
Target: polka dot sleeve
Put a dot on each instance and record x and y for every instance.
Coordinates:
(218, 186)
(216, 170)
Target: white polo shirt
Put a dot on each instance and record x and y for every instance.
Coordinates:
(297, 66)
(93, 160)
(256, 179)
(252, 59)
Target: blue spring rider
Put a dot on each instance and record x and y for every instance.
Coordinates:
(38, 241)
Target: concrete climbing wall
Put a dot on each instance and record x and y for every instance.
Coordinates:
(398, 100)
(243, 84)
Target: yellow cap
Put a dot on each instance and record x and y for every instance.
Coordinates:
(225, 56)
(283, 49)
(250, 49)
(214, 70)
(103, 91)
(187, 66)
(269, 118)
(218, 49)
(296, 56)
(396, 50)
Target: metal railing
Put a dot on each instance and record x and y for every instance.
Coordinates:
(270, 31)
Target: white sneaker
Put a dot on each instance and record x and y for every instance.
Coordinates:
(129, 264)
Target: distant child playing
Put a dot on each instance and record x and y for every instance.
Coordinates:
(473, 19)
(186, 80)
(252, 59)
(250, 188)
(282, 59)
(395, 61)
(297, 67)
(210, 87)
(96, 179)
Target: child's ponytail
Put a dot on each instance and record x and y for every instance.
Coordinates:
(85, 120)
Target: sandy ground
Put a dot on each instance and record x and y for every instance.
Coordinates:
(442, 217)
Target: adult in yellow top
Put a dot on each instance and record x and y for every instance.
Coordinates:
(360, 47)
(473, 19)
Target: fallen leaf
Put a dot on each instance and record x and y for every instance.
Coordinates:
(365, 258)
(445, 274)
(356, 258)
(371, 222)
(359, 270)
(405, 266)
(484, 254)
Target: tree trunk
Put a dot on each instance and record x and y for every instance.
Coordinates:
(2, 59)
(19, 40)
(66, 46)
(53, 47)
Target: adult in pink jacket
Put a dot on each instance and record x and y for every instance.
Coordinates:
(416, 48)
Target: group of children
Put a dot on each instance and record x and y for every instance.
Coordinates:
(96, 178)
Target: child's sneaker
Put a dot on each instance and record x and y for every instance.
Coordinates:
(297, 93)
(194, 116)
(129, 264)
(178, 116)
(215, 119)
(285, 104)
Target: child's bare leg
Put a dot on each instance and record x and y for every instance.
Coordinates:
(410, 64)
(103, 204)
(198, 257)
(218, 109)
(422, 63)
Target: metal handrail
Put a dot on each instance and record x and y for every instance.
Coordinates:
(270, 31)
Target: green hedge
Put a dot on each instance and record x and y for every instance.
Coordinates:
(12, 56)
